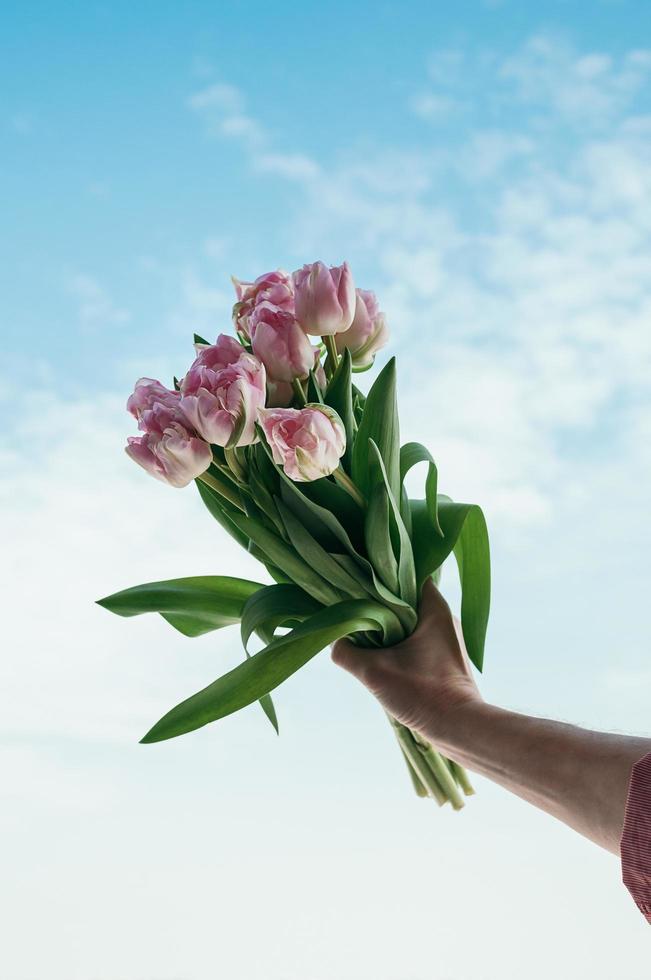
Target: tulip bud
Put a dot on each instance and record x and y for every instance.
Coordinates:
(222, 392)
(368, 332)
(276, 288)
(150, 396)
(280, 344)
(169, 449)
(308, 442)
(324, 298)
(174, 456)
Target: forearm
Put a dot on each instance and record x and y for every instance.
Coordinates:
(579, 776)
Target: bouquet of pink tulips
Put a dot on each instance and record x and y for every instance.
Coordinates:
(306, 473)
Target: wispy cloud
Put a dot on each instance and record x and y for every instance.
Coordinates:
(223, 110)
(95, 306)
(548, 73)
(515, 265)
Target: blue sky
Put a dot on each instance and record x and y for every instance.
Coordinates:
(485, 168)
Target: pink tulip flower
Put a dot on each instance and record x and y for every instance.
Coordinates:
(222, 392)
(324, 298)
(368, 332)
(150, 396)
(276, 288)
(308, 442)
(280, 344)
(174, 456)
(170, 449)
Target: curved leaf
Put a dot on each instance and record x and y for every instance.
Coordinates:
(411, 454)
(465, 533)
(406, 566)
(405, 614)
(254, 678)
(273, 606)
(379, 423)
(377, 534)
(284, 557)
(472, 553)
(194, 605)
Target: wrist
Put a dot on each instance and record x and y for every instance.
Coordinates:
(455, 717)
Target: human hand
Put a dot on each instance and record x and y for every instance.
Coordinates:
(423, 681)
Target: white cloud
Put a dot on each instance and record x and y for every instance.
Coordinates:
(548, 73)
(429, 105)
(223, 109)
(89, 524)
(95, 307)
(294, 166)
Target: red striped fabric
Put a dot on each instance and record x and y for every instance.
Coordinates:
(635, 844)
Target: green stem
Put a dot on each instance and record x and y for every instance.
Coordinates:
(222, 488)
(235, 465)
(418, 762)
(298, 391)
(419, 788)
(461, 777)
(342, 478)
(333, 357)
(438, 766)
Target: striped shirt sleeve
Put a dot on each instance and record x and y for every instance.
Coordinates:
(635, 845)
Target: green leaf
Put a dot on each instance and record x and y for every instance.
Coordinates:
(193, 605)
(200, 340)
(406, 567)
(405, 614)
(274, 606)
(379, 423)
(275, 572)
(220, 510)
(465, 533)
(267, 705)
(284, 557)
(339, 396)
(263, 672)
(472, 553)
(411, 454)
(314, 393)
(317, 557)
(331, 501)
(377, 534)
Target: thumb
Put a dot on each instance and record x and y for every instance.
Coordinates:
(345, 655)
(358, 662)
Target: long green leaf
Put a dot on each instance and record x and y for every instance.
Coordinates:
(406, 567)
(317, 557)
(219, 508)
(379, 423)
(472, 553)
(377, 534)
(284, 557)
(339, 396)
(465, 533)
(274, 606)
(250, 680)
(194, 605)
(411, 454)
